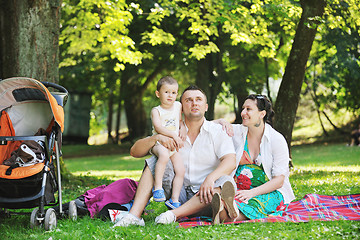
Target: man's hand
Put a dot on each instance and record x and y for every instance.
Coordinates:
(206, 191)
(226, 126)
(179, 142)
(167, 142)
(183, 133)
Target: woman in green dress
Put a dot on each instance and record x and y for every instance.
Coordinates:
(262, 175)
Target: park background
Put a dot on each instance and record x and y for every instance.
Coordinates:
(303, 54)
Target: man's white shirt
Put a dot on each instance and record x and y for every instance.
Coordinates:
(203, 156)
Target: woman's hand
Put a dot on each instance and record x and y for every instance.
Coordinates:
(244, 195)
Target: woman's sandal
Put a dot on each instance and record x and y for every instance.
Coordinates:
(228, 195)
(216, 206)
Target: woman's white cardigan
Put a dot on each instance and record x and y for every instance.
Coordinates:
(274, 155)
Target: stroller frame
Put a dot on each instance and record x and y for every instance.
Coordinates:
(39, 197)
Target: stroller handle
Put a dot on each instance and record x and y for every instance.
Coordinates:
(56, 86)
(61, 96)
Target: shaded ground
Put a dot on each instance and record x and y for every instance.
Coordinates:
(72, 151)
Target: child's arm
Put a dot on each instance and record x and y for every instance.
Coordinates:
(226, 126)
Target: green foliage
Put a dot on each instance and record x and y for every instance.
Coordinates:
(248, 22)
(158, 36)
(335, 66)
(104, 44)
(98, 26)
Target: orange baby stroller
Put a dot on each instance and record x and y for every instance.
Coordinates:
(31, 126)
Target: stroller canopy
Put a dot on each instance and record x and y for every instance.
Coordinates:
(20, 90)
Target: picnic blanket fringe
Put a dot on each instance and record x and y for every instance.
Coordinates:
(313, 207)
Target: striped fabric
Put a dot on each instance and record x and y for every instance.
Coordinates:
(312, 207)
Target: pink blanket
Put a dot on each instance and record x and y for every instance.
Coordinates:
(312, 207)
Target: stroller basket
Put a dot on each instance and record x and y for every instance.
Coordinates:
(20, 192)
(31, 125)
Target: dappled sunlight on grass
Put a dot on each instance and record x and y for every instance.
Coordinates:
(128, 157)
(330, 179)
(105, 163)
(325, 181)
(111, 174)
(314, 168)
(326, 156)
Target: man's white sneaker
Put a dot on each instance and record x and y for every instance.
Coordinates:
(129, 220)
(165, 218)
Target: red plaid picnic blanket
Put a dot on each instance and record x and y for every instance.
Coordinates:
(312, 207)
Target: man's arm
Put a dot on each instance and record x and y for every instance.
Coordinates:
(226, 126)
(142, 146)
(226, 166)
(182, 128)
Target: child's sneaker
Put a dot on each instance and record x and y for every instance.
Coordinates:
(172, 205)
(158, 195)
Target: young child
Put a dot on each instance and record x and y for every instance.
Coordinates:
(166, 120)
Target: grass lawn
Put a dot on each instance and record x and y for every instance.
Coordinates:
(323, 169)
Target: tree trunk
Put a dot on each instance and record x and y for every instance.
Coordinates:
(332, 124)
(208, 82)
(321, 123)
(240, 96)
(110, 116)
(290, 87)
(135, 114)
(317, 105)
(118, 123)
(29, 39)
(132, 94)
(203, 75)
(267, 78)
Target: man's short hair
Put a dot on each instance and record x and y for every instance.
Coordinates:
(193, 88)
(165, 80)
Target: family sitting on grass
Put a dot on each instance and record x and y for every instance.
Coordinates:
(237, 174)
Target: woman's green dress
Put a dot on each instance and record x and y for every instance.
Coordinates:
(250, 175)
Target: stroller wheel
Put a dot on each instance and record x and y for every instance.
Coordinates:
(50, 219)
(34, 222)
(72, 210)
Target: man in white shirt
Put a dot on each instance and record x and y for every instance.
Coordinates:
(209, 159)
